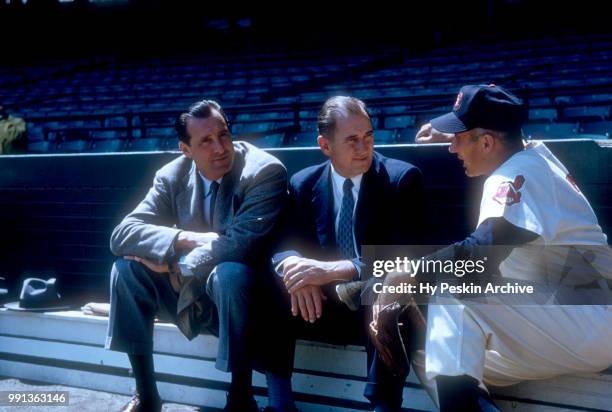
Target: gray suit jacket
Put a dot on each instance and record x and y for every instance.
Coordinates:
(248, 203)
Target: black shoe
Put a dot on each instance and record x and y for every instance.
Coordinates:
(136, 405)
(239, 404)
(349, 293)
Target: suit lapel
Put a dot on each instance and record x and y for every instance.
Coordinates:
(190, 202)
(323, 203)
(369, 193)
(224, 207)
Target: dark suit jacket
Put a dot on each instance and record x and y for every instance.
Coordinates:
(389, 209)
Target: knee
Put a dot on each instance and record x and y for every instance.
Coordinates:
(229, 277)
(125, 272)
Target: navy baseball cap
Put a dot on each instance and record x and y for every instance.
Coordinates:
(489, 107)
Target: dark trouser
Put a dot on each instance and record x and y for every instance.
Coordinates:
(341, 326)
(461, 393)
(244, 300)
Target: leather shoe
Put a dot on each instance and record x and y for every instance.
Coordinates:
(135, 405)
(349, 293)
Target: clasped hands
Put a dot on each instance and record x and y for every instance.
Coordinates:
(185, 242)
(304, 278)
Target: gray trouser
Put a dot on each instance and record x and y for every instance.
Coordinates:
(138, 294)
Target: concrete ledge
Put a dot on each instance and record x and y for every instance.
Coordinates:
(67, 348)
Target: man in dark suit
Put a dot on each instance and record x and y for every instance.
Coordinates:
(358, 197)
(195, 250)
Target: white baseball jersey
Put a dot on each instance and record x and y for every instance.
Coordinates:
(505, 344)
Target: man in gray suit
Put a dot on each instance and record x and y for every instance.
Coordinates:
(195, 249)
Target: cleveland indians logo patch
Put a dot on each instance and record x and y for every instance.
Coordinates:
(508, 193)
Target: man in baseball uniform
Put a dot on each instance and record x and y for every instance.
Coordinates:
(531, 203)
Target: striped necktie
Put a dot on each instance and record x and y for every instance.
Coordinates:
(344, 237)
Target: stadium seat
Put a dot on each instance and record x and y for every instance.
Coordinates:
(407, 135)
(550, 130)
(255, 127)
(586, 113)
(303, 139)
(160, 132)
(73, 146)
(542, 115)
(601, 128)
(399, 122)
(273, 140)
(384, 136)
(110, 145)
(42, 146)
(107, 134)
(146, 145)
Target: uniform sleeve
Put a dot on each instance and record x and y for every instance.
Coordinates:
(518, 199)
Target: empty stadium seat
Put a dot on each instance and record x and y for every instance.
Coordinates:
(601, 128)
(110, 145)
(399, 122)
(550, 130)
(42, 146)
(384, 136)
(107, 134)
(256, 127)
(305, 139)
(160, 132)
(273, 140)
(73, 146)
(406, 135)
(586, 113)
(146, 145)
(542, 115)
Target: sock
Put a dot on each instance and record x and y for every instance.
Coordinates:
(144, 374)
(280, 395)
(242, 385)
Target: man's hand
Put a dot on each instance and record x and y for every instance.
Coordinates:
(427, 134)
(300, 272)
(187, 241)
(308, 302)
(155, 267)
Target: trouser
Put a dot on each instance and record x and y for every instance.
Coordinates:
(341, 326)
(248, 308)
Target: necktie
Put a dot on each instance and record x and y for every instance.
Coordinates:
(344, 238)
(214, 187)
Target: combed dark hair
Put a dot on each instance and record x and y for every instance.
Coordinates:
(200, 110)
(338, 106)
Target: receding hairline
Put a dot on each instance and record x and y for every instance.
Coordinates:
(339, 107)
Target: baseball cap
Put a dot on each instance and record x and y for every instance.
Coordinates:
(485, 106)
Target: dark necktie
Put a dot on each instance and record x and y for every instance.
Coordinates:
(344, 238)
(214, 187)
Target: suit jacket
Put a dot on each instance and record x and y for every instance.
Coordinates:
(248, 203)
(389, 209)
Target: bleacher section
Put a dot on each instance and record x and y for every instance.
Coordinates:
(272, 99)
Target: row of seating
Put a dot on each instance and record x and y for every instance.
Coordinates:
(566, 84)
(300, 139)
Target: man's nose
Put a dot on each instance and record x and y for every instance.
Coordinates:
(362, 146)
(218, 146)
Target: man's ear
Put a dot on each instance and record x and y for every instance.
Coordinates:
(185, 149)
(324, 145)
(488, 141)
